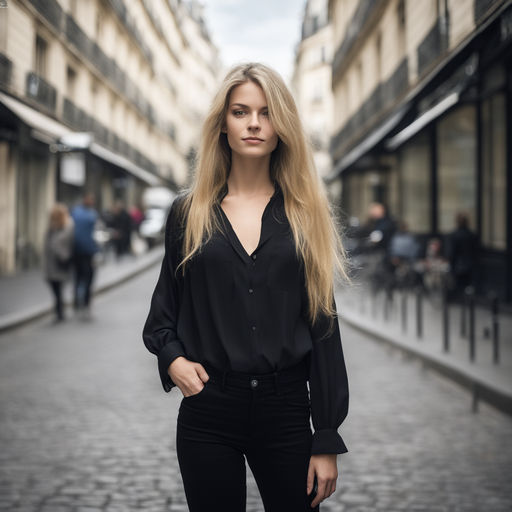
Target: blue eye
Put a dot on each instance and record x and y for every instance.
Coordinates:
(238, 113)
(265, 113)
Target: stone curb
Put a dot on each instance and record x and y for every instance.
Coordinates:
(480, 390)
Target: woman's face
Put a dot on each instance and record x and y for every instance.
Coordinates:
(249, 130)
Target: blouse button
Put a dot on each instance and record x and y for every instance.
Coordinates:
(250, 290)
(253, 327)
(253, 256)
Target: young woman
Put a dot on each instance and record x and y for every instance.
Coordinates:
(243, 313)
(58, 250)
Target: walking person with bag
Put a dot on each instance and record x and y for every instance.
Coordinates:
(243, 315)
(58, 251)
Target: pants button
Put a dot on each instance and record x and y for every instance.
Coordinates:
(254, 383)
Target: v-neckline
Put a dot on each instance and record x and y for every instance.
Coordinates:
(232, 229)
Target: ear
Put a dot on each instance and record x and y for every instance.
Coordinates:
(223, 128)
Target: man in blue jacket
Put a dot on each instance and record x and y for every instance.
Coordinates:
(84, 217)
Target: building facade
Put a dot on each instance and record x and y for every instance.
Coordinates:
(96, 95)
(311, 81)
(423, 118)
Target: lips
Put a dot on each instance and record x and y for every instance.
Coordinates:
(253, 139)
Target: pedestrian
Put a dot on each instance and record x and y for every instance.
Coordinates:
(243, 314)
(84, 248)
(58, 251)
(462, 253)
(121, 229)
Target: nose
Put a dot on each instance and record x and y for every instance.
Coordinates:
(254, 121)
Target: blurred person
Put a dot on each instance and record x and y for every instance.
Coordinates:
(434, 268)
(58, 251)
(243, 314)
(403, 245)
(462, 254)
(137, 216)
(404, 250)
(121, 224)
(380, 225)
(85, 247)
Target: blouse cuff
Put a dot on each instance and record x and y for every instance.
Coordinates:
(166, 356)
(327, 441)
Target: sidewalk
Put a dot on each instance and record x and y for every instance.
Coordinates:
(26, 296)
(486, 380)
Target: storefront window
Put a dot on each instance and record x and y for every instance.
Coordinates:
(494, 172)
(414, 194)
(456, 143)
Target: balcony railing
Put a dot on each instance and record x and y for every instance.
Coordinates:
(383, 96)
(434, 44)
(354, 28)
(40, 90)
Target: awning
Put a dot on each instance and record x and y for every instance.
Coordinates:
(119, 160)
(422, 121)
(44, 128)
(369, 142)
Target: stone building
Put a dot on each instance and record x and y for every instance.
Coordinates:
(422, 116)
(96, 95)
(311, 81)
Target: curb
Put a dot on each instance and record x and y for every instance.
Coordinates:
(480, 390)
(14, 320)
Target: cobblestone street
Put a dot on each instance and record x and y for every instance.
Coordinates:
(85, 425)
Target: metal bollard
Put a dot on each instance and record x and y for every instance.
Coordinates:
(463, 315)
(388, 304)
(446, 321)
(419, 313)
(470, 293)
(495, 329)
(404, 310)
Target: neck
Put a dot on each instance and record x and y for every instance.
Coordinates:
(250, 176)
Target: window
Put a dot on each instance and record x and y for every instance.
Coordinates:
(40, 56)
(73, 8)
(100, 17)
(378, 55)
(414, 182)
(70, 82)
(494, 167)
(456, 142)
(401, 20)
(94, 96)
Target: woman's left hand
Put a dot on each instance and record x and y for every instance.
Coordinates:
(326, 471)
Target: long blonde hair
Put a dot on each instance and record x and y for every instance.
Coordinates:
(306, 205)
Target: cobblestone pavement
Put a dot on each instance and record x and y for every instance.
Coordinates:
(85, 425)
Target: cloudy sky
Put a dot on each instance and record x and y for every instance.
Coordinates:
(259, 30)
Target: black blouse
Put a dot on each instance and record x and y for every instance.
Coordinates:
(248, 313)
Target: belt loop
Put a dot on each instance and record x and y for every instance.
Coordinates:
(276, 382)
(223, 383)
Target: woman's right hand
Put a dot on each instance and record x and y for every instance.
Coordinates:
(187, 375)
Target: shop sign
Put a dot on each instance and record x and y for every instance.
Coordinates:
(72, 168)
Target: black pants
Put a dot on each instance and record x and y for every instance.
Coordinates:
(56, 287)
(262, 417)
(84, 273)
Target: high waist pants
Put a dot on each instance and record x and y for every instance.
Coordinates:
(263, 419)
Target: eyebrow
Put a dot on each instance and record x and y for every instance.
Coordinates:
(241, 105)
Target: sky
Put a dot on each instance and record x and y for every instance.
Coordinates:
(259, 30)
